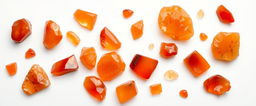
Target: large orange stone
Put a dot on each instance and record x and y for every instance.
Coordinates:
(137, 29)
(52, 35)
(95, 87)
(21, 29)
(224, 15)
(217, 85)
(108, 40)
(85, 19)
(88, 57)
(65, 66)
(126, 91)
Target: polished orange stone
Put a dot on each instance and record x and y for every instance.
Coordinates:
(203, 36)
(108, 40)
(156, 89)
(30, 53)
(110, 66)
(95, 87)
(168, 50)
(183, 93)
(175, 23)
(35, 81)
(88, 57)
(11, 68)
(196, 64)
(52, 35)
(21, 29)
(217, 85)
(224, 15)
(85, 19)
(127, 13)
(73, 38)
(137, 29)
(65, 66)
(225, 46)
(126, 91)
(143, 66)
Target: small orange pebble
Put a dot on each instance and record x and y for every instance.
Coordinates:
(11, 68)
(200, 14)
(88, 57)
(224, 15)
(85, 19)
(108, 40)
(35, 81)
(126, 91)
(30, 53)
(95, 87)
(217, 85)
(183, 93)
(168, 50)
(65, 66)
(156, 89)
(196, 64)
(73, 38)
(225, 46)
(21, 29)
(52, 35)
(137, 29)
(203, 36)
(127, 13)
(143, 66)
(110, 66)
(171, 75)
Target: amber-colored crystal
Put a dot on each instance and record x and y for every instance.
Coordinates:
(168, 50)
(30, 53)
(127, 13)
(171, 75)
(35, 81)
(184, 93)
(11, 68)
(88, 57)
(73, 38)
(21, 29)
(225, 46)
(217, 85)
(137, 29)
(175, 23)
(95, 87)
(156, 89)
(108, 40)
(224, 15)
(151, 46)
(64, 66)
(126, 91)
(85, 19)
(52, 35)
(200, 14)
(203, 36)
(196, 64)
(143, 66)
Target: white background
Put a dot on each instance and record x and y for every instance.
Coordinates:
(68, 89)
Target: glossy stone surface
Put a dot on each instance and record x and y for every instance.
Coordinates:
(88, 57)
(108, 40)
(168, 50)
(21, 29)
(156, 89)
(217, 85)
(224, 15)
(65, 66)
(52, 35)
(30, 53)
(137, 29)
(127, 13)
(85, 19)
(73, 38)
(95, 87)
(11, 68)
(126, 91)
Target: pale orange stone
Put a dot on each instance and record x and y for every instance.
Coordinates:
(73, 38)
(88, 57)
(85, 19)
(137, 29)
(108, 40)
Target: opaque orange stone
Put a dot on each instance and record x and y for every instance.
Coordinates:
(11, 68)
(143, 66)
(224, 15)
(175, 23)
(196, 64)
(85, 19)
(137, 29)
(52, 35)
(156, 89)
(168, 50)
(108, 40)
(88, 57)
(127, 13)
(73, 38)
(183, 93)
(203, 36)
(225, 46)
(95, 87)
(30, 53)
(21, 29)
(35, 81)
(126, 91)
(64, 66)
(217, 85)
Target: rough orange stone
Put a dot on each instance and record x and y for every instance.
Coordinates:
(21, 29)
(224, 15)
(175, 23)
(196, 64)
(203, 36)
(127, 13)
(52, 35)
(217, 85)
(110, 66)
(137, 29)
(126, 91)
(183, 93)
(11, 68)
(95, 87)
(73, 38)
(156, 89)
(225, 46)
(168, 50)
(35, 81)
(30, 53)
(143, 66)
(85, 19)
(64, 66)
(108, 40)
(88, 57)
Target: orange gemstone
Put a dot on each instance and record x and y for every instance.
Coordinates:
(127, 13)
(52, 35)
(168, 50)
(156, 89)
(21, 29)
(110, 66)
(126, 91)
(88, 57)
(85, 19)
(196, 64)
(143, 66)
(73, 38)
(64, 66)
(203, 36)
(108, 40)
(35, 81)
(183, 93)
(95, 87)
(217, 85)
(224, 15)
(137, 29)
(30, 53)
(225, 46)
(175, 23)
(11, 68)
